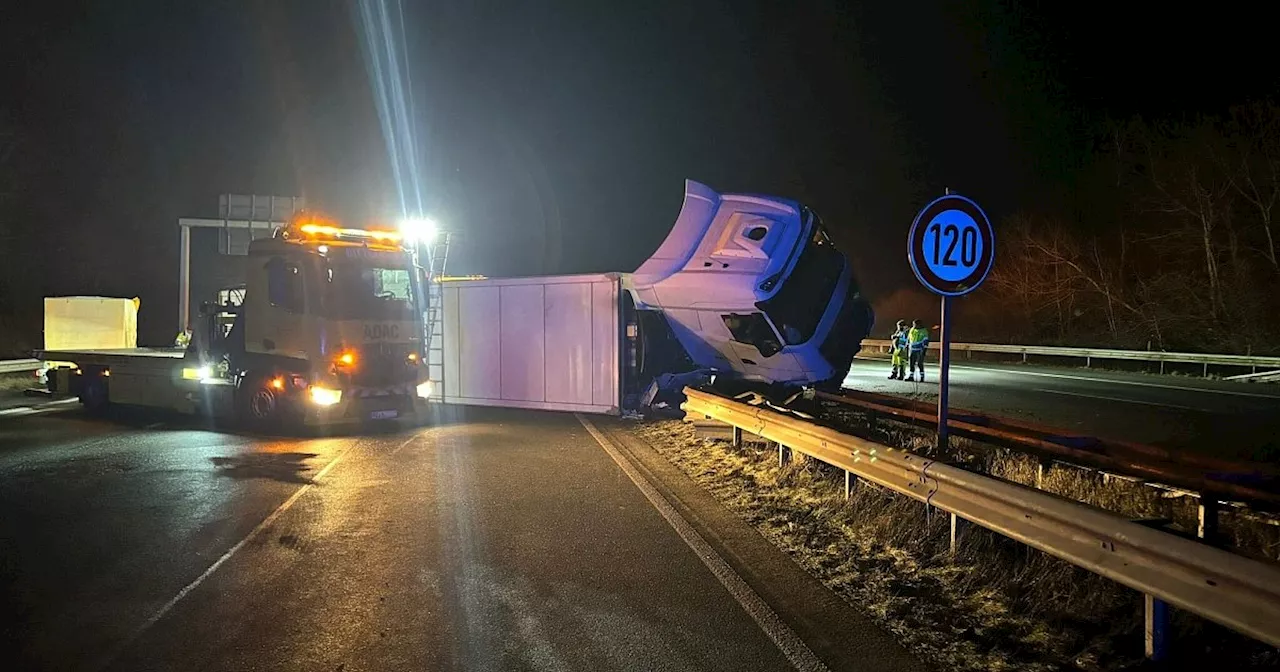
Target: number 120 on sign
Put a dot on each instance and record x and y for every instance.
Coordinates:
(963, 235)
(951, 245)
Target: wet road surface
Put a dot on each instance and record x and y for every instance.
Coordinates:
(491, 540)
(1228, 419)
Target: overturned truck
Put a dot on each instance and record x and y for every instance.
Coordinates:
(745, 290)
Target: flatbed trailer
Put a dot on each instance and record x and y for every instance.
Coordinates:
(167, 379)
(151, 377)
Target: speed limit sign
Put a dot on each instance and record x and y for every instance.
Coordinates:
(951, 246)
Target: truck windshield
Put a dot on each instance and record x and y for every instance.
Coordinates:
(363, 292)
(802, 299)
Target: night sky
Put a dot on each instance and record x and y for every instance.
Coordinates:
(556, 138)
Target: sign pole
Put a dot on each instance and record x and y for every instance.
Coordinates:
(944, 371)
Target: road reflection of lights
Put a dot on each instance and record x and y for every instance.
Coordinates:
(462, 547)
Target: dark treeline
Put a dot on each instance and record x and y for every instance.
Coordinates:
(1168, 241)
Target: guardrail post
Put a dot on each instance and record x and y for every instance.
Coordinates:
(1024, 356)
(1042, 468)
(954, 522)
(1156, 628)
(782, 455)
(1206, 370)
(849, 480)
(1207, 526)
(737, 437)
(1087, 361)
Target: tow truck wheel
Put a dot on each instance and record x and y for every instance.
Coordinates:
(93, 394)
(259, 404)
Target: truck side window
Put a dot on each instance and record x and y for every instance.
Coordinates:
(754, 330)
(284, 285)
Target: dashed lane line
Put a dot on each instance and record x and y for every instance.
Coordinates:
(120, 647)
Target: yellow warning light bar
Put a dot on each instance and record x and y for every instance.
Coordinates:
(324, 232)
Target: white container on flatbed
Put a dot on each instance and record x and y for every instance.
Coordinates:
(90, 322)
(550, 343)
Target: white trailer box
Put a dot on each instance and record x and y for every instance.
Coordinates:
(550, 343)
(90, 323)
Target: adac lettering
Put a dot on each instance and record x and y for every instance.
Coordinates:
(381, 332)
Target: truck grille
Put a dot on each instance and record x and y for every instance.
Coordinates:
(384, 365)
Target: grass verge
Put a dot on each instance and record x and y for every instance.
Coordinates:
(995, 605)
(16, 382)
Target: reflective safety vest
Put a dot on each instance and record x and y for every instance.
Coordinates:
(918, 338)
(899, 339)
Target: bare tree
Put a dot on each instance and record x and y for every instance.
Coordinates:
(1190, 188)
(1176, 245)
(1255, 173)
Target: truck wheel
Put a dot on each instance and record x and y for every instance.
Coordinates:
(259, 404)
(93, 394)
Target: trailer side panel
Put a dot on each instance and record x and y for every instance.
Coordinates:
(549, 343)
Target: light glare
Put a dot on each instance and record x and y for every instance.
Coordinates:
(323, 396)
(418, 230)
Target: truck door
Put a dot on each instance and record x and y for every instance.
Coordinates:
(275, 315)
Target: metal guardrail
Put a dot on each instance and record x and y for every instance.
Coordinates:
(1100, 353)
(1236, 592)
(19, 365)
(1209, 478)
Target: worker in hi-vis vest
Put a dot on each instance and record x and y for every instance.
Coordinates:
(917, 345)
(898, 348)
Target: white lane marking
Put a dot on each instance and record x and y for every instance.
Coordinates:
(415, 437)
(266, 522)
(1180, 388)
(782, 635)
(1123, 400)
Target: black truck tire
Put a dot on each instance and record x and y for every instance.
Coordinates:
(94, 393)
(257, 405)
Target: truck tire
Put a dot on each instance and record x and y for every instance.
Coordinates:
(259, 406)
(93, 394)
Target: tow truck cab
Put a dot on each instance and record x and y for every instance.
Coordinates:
(330, 329)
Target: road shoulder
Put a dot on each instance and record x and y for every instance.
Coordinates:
(836, 632)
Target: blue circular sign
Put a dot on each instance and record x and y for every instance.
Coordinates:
(951, 246)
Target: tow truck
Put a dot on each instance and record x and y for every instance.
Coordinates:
(331, 329)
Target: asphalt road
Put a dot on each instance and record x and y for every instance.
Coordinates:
(1229, 419)
(492, 540)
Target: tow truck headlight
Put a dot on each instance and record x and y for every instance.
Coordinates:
(324, 396)
(424, 389)
(200, 373)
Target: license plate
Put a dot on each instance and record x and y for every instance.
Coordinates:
(383, 415)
